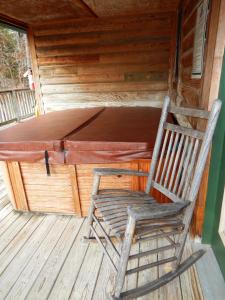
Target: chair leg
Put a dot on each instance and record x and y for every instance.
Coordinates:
(90, 219)
(125, 252)
(95, 188)
(183, 236)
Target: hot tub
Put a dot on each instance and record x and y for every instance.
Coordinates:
(48, 161)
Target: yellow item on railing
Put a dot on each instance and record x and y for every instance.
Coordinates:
(37, 111)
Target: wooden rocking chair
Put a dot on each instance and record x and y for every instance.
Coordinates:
(176, 170)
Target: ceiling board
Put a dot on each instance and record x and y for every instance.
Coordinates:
(104, 8)
(37, 11)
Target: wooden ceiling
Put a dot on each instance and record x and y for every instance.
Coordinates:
(105, 8)
(38, 11)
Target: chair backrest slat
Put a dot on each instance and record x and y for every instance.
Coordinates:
(190, 169)
(190, 112)
(179, 171)
(176, 162)
(180, 154)
(162, 154)
(185, 166)
(185, 130)
(171, 159)
(167, 158)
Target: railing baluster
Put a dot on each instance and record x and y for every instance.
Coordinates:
(16, 105)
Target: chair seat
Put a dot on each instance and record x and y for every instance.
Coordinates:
(113, 208)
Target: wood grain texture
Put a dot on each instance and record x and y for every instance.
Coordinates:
(35, 70)
(190, 91)
(55, 193)
(85, 180)
(64, 268)
(104, 56)
(201, 92)
(31, 12)
(67, 190)
(18, 186)
(126, 7)
(8, 184)
(188, 88)
(74, 185)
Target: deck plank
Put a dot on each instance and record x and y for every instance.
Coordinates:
(18, 242)
(70, 270)
(7, 221)
(34, 266)
(5, 211)
(86, 280)
(105, 278)
(172, 290)
(48, 274)
(4, 201)
(9, 277)
(190, 285)
(149, 274)
(13, 230)
(43, 257)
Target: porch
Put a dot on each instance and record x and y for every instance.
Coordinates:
(83, 58)
(43, 257)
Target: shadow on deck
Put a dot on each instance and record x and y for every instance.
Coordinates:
(42, 257)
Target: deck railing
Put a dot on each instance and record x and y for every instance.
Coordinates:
(16, 105)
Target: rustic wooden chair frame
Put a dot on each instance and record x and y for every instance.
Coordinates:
(177, 165)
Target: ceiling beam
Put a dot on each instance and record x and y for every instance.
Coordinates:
(86, 7)
(13, 22)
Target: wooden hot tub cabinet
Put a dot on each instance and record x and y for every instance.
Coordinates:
(67, 190)
(77, 141)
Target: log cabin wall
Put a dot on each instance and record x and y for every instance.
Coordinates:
(105, 61)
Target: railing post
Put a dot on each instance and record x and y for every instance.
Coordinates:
(16, 107)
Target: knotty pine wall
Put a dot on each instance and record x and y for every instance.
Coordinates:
(125, 61)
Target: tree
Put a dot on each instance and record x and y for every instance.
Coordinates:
(13, 58)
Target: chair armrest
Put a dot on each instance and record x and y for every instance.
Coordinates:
(156, 210)
(109, 172)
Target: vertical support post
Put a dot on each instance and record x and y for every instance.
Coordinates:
(35, 70)
(75, 189)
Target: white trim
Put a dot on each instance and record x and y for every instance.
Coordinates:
(222, 221)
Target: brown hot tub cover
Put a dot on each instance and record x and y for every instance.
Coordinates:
(29, 140)
(117, 134)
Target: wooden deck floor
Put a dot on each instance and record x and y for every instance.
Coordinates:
(42, 257)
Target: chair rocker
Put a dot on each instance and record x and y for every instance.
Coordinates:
(177, 165)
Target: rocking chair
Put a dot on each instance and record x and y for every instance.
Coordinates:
(177, 165)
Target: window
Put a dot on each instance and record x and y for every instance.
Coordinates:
(222, 221)
(199, 39)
